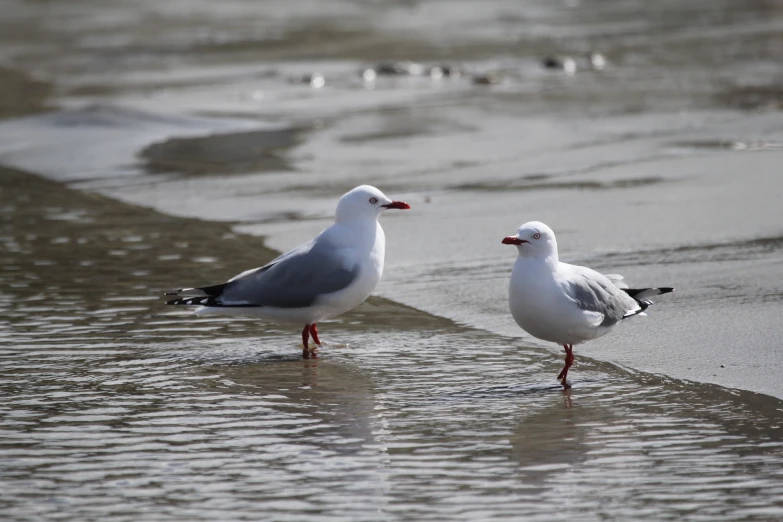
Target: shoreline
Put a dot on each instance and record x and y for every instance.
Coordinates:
(422, 271)
(377, 312)
(134, 160)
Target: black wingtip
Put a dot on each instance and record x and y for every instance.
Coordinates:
(666, 289)
(211, 291)
(195, 301)
(214, 290)
(208, 301)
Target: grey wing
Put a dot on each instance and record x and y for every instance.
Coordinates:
(594, 292)
(293, 280)
(291, 253)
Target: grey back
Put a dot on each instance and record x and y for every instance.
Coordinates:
(593, 292)
(293, 280)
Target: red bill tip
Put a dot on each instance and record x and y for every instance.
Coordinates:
(399, 205)
(512, 240)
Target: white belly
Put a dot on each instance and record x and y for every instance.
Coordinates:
(547, 314)
(563, 329)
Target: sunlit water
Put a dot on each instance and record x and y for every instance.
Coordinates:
(118, 408)
(663, 165)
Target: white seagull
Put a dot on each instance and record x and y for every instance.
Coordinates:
(562, 303)
(335, 272)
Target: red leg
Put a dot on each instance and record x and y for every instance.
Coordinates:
(314, 333)
(563, 371)
(305, 338)
(569, 360)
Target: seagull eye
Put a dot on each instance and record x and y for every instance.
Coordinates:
(536, 236)
(373, 200)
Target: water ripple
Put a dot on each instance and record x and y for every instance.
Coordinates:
(117, 409)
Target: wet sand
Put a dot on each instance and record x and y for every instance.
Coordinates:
(118, 407)
(21, 95)
(190, 148)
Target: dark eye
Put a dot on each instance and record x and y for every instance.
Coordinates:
(373, 200)
(536, 236)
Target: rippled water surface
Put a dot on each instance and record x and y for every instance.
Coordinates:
(118, 408)
(167, 144)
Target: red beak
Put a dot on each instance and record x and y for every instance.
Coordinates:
(512, 240)
(399, 205)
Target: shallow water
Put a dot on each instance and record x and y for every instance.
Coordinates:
(117, 408)
(673, 144)
(189, 138)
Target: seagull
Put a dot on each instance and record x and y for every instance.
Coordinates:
(562, 303)
(332, 274)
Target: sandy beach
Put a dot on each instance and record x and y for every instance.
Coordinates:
(148, 146)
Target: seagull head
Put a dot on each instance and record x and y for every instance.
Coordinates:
(534, 239)
(365, 202)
